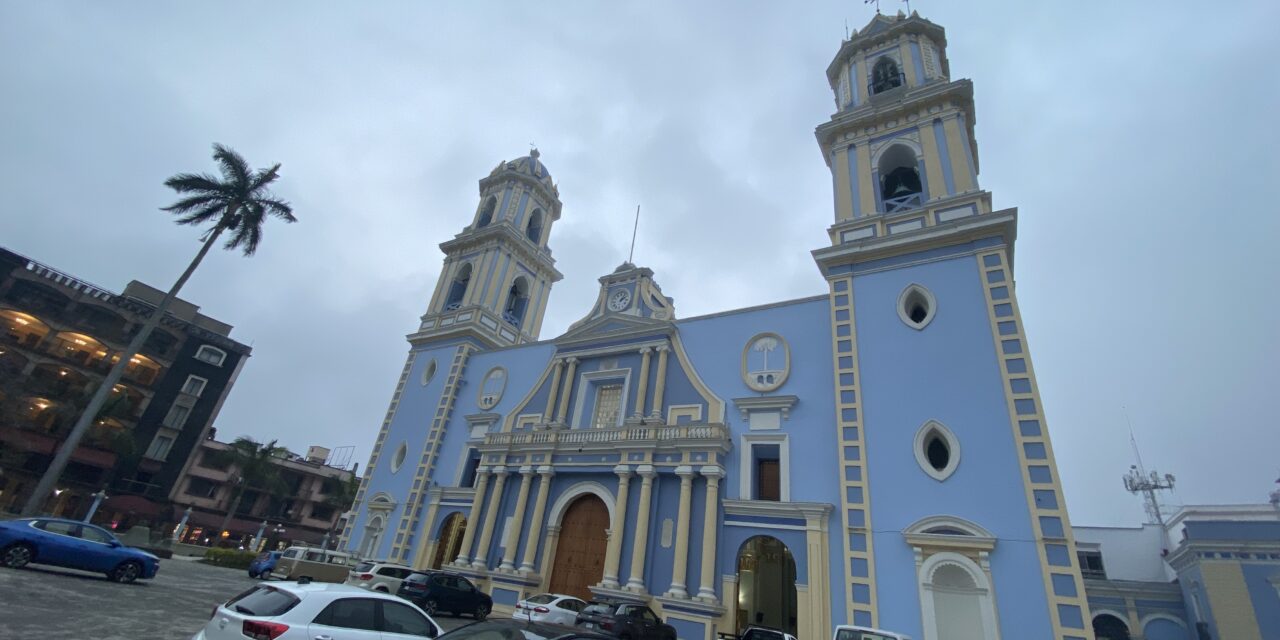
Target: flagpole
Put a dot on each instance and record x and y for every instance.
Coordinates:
(633, 235)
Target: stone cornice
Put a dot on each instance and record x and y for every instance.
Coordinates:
(503, 234)
(911, 25)
(768, 508)
(1002, 223)
(867, 120)
(765, 403)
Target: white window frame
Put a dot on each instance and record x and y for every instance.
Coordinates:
(169, 421)
(151, 449)
(204, 382)
(922, 458)
(207, 348)
(747, 470)
(596, 415)
(399, 456)
(929, 299)
(584, 382)
(986, 597)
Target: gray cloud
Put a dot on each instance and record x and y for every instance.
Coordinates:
(1138, 145)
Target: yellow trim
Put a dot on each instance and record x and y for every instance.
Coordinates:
(692, 411)
(844, 194)
(374, 456)
(965, 181)
(1229, 599)
(481, 274)
(494, 274)
(932, 163)
(436, 302)
(866, 190)
(545, 286)
(861, 463)
(715, 406)
(908, 65)
(1060, 512)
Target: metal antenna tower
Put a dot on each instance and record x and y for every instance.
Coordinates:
(1139, 481)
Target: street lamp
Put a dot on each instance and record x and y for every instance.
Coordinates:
(97, 500)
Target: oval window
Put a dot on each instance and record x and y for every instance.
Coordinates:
(429, 372)
(937, 450)
(397, 460)
(495, 382)
(766, 362)
(917, 306)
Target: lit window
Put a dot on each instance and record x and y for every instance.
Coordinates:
(194, 385)
(211, 355)
(608, 404)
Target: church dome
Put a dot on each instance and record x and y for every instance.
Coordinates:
(530, 166)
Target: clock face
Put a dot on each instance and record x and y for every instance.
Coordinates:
(619, 299)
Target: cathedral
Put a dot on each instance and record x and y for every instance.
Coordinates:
(876, 455)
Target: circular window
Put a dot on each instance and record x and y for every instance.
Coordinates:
(766, 362)
(429, 372)
(937, 450)
(397, 460)
(917, 306)
(495, 382)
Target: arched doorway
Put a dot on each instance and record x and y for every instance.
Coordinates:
(372, 536)
(766, 585)
(1109, 627)
(449, 543)
(580, 552)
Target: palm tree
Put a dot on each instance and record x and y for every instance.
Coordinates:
(255, 466)
(238, 204)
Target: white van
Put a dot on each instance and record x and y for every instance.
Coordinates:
(321, 565)
(850, 632)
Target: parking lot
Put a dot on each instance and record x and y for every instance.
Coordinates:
(48, 602)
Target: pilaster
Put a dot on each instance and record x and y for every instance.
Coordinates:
(482, 483)
(617, 529)
(535, 521)
(706, 588)
(640, 542)
(513, 539)
(481, 557)
(679, 569)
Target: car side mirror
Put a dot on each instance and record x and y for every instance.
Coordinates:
(115, 544)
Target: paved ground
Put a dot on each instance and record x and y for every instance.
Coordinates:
(48, 602)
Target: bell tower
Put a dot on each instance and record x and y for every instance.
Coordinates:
(498, 271)
(900, 146)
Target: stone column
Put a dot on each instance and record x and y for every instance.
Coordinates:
(535, 521)
(640, 545)
(566, 391)
(660, 385)
(680, 568)
(642, 389)
(618, 530)
(550, 411)
(522, 499)
(482, 483)
(481, 558)
(422, 556)
(710, 513)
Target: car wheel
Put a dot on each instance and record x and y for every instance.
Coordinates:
(381, 589)
(430, 607)
(17, 556)
(482, 611)
(126, 572)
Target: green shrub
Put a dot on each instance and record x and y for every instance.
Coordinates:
(233, 558)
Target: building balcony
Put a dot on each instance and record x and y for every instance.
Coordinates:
(658, 436)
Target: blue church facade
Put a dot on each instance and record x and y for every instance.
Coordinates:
(874, 455)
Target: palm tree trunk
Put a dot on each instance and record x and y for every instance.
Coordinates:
(35, 503)
(235, 504)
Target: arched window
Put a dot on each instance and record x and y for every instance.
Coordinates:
(458, 289)
(956, 598)
(885, 75)
(900, 185)
(937, 450)
(486, 214)
(766, 585)
(517, 301)
(533, 230)
(1109, 627)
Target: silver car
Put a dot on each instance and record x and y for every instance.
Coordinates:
(383, 577)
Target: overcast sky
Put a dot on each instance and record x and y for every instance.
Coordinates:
(1138, 140)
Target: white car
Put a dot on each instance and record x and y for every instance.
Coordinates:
(304, 610)
(549, 607)
(850, 632)
(378, 576)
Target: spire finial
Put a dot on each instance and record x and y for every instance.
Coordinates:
(533, 150)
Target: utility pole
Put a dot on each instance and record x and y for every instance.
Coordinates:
(1138, 481)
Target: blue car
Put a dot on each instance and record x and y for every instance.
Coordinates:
(72, 544)
(263, 564)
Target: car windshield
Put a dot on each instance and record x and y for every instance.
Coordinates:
(262, 601)
(416, 577)
(599, 609)
(543, 598)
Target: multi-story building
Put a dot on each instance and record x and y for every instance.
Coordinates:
(875, 455)
(1209, 573)
(61, 336)
(306, 506)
